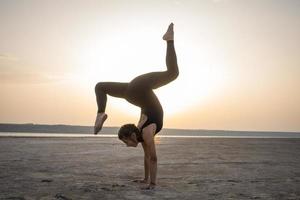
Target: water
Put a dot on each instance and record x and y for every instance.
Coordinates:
(169, 134)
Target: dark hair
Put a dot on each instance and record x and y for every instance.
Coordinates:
(126, 130)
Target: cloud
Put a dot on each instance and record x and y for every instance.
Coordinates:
(21, 78)
(28, 77)
(8, 57)
(16, 71)
(219, 1)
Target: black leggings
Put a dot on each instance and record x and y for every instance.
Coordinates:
(143, 82)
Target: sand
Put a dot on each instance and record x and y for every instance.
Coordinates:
(188, 168)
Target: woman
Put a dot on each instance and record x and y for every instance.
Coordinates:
(139, 92)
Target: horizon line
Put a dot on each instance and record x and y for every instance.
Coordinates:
(199, 129)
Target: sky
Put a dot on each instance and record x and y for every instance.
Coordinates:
(239, 61)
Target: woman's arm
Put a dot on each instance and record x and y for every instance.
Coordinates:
(148, 136)
(153, 163)
(146, 162)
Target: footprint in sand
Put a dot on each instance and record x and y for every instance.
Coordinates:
(61, 197)
(117, 185)
(106, 189)
(46, 181)
(113, 187)
(16, 198)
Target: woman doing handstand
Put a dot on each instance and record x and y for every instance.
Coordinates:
(139, 92)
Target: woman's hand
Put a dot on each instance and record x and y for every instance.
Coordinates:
(151, 186)
(141, 181)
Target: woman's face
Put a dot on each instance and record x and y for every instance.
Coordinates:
(130, 142)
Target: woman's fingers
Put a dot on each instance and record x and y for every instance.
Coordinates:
(148, 187)
(140, 181)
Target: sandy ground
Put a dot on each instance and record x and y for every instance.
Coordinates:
(102, 168)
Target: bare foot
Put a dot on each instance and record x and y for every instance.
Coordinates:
(169, 35)
(101, 117)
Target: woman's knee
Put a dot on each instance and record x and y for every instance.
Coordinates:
(98, 87)
(174, 74)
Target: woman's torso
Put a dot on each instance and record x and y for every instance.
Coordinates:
(140, 95)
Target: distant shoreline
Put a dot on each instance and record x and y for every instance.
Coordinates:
(69, 135)
(63, 128)
(42, 130)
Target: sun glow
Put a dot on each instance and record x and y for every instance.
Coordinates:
(119, 60)
(234, 74)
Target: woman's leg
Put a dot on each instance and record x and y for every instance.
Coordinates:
(101, 90)
(155, 80)
(111, 88)
(162, 78)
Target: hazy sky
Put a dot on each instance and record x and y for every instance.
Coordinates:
(239, 61)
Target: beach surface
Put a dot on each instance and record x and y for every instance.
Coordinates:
(188, 168)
